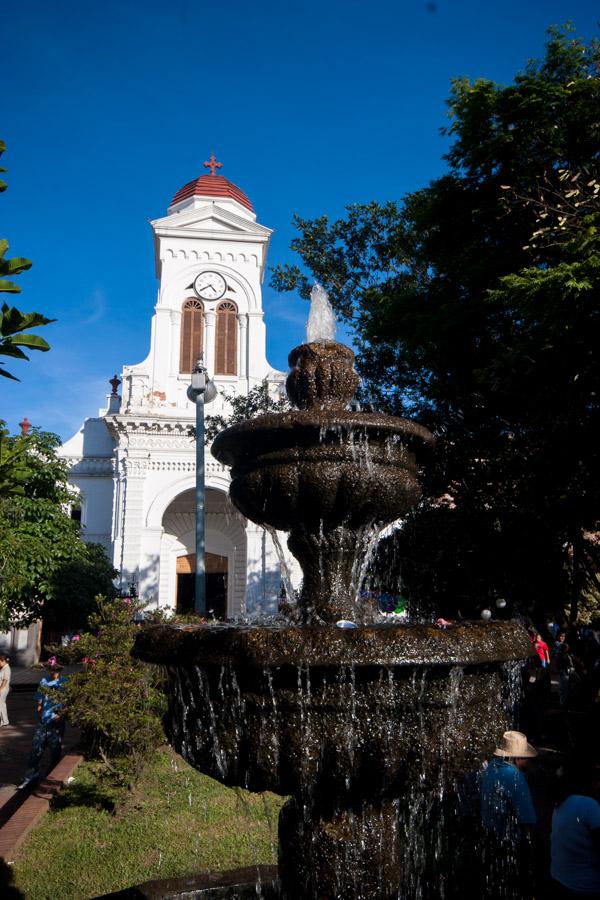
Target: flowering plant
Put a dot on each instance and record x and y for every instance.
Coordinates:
(117, 701)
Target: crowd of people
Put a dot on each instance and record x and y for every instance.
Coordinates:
(536, 811)
(574, 652)
(514, 861)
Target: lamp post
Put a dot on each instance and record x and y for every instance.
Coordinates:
(201, 390)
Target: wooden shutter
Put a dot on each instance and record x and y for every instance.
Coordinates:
(192, 334)
(226, 339)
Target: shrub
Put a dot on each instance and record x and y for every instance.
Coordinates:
(117, 700)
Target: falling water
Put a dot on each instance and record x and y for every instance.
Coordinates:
(286, 578)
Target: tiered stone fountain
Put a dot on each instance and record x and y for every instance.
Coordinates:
(363, 727)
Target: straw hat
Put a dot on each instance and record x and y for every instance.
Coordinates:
(514, 743)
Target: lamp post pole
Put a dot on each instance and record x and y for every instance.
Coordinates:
(200, 580)
(200, 391)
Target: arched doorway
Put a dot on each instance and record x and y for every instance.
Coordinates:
(226, 554)
(216, 584)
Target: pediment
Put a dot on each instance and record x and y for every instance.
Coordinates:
(209, 218)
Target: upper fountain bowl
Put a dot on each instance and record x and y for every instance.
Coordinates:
(330, 476)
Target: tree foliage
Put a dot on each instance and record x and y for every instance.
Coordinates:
(75, 585)
(44, 563)
(474, 308)
(13, 323)
(258, 401)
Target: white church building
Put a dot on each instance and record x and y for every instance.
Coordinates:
(134, 464)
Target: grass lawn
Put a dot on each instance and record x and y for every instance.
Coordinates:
(176, 822)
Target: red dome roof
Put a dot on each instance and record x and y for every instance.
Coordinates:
(211, 186)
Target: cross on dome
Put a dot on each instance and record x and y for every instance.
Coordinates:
(210, 185)
(212, 164)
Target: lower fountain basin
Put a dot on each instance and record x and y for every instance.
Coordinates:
(334, 712)
(367, 728)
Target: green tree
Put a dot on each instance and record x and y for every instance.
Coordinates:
(474, 308)
(75, 586)
(13, 462)
(13, 323)
(42, 555)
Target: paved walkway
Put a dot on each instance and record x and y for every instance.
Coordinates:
(24, 808)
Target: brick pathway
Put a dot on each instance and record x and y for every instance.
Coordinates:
(21, 810)
(29, 810)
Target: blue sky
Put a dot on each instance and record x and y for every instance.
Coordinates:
(110, 107)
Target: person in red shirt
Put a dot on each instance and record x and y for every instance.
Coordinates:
(542, 650)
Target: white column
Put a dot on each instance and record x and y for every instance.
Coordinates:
(150, 565)
(256, 345)
(175, 341)
(210, 318)
(160, 346)
(132, 523)
(243, 348)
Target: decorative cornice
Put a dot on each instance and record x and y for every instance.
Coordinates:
(183, 465)
(210, 255)
(124, 427)
(94, 466)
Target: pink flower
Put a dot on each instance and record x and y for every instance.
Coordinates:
(75, 637)
(52, 661)
(127, 600)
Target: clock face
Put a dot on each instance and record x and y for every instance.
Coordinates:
(210, 285)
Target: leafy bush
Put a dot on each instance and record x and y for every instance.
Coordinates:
(117, 701)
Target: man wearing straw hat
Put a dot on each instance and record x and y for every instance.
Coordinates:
(507, 815)
(506, 804)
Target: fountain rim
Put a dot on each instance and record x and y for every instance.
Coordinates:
(382, 645)
(321, 421)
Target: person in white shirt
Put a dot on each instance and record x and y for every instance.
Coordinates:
(4, 688)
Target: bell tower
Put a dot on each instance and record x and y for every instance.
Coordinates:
(134, 465)
(210, 258)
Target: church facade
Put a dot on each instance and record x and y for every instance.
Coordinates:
(134, 464)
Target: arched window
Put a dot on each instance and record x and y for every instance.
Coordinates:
(192, 334)
(226, 339)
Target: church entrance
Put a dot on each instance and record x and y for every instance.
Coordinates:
(216, 584)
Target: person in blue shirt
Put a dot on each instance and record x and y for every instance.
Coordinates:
(51, 727)
(507, 817)
(575, 847)
(506, 804)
